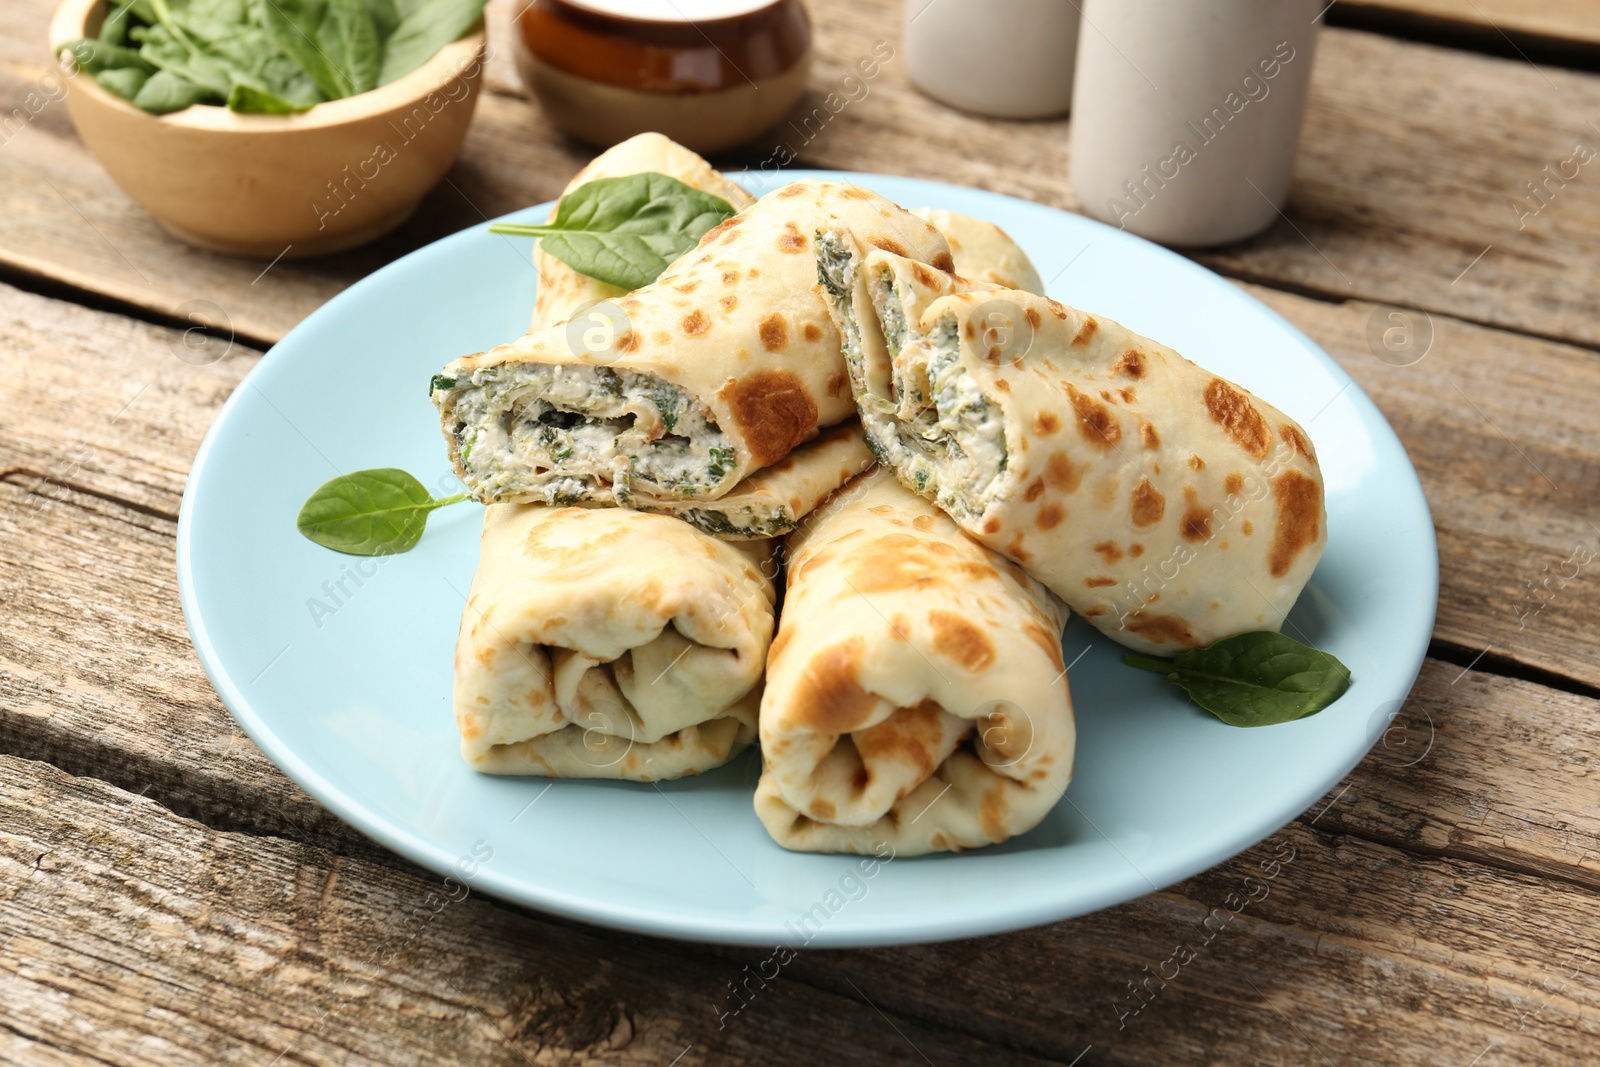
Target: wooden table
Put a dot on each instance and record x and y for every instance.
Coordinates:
(170, 897)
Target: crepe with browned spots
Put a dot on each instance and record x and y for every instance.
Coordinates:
(668, 398)
(915, 693)
(1168, 506)
(982, 251)
(605, 643)
(770, 501)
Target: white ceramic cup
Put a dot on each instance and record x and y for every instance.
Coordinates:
(1009, 59)
(1187, 115)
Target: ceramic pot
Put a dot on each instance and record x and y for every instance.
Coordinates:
(710, 74)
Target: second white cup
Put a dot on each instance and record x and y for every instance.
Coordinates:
(1186, 116)
(1009, 59)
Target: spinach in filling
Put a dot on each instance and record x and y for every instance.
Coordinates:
(836, 271)
(744, 523)
(564, 433)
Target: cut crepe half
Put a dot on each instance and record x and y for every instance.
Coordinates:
(562, 290)
(770, 501)
(603, 643)
(720, 368)
(1168, 506)
(915, 691)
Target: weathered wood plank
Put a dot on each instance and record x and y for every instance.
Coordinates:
(135, 937)
(1485, 768)
(1574, 22)
(1407, 172)
(1419, 195)
(110, 403)
(1397, 186)
(97, 673)
(1353, 953)
(1502, 432)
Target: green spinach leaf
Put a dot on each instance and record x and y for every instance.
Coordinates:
(172, 51)
(265, 56)
(267, 71)
(94, 56)
(165, 91)
(294, 27)
(377, 512)
(271, 56)
(1254, 679)
(385, 16)
(210, 19)
(124, 81)
(248, 99)
(348, 37)
(250, 59)
(626, 231)
(114, 28)
(167, 23)
(422, 31)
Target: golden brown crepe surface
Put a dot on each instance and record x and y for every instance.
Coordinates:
(606, 643)
(915, 691)
(770, 501)
(1167, 505)
(983, 252)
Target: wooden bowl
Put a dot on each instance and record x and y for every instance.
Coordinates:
(331, 178)
(709, 84)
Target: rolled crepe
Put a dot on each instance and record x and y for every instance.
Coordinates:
(1168, 506)
(770, 501)
(562, 290)
(915, 692)
(983, 252)
(605, 643)
(719, 368)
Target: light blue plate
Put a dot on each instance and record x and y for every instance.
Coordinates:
(340, 667)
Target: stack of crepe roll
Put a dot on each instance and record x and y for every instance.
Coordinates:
(656, 462)
(606, 642)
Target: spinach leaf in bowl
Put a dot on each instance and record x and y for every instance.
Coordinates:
(165, 92)
(428, 27)
(124, 81)
(334, 41)
(265, 56)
